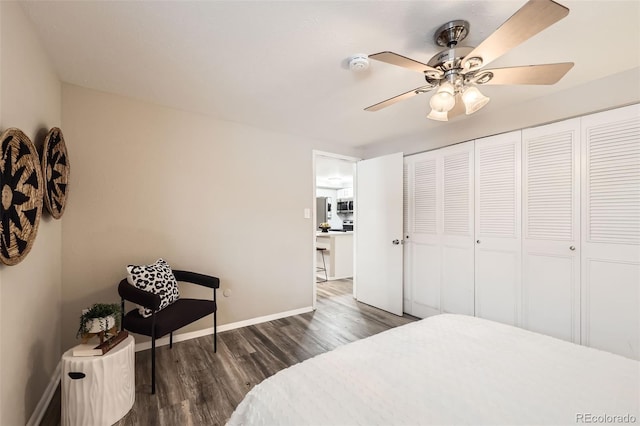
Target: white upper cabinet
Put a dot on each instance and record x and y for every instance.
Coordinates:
(345, 193)
(551, 231)
(611, 231)
(497, 224)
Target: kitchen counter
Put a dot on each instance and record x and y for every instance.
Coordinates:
(326, 234)
(338, 254)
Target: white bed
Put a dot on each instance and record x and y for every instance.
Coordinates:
(449, 369)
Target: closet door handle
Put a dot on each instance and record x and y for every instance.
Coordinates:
(572, 248)
(477, 241)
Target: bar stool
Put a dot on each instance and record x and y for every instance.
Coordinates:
(324, 266)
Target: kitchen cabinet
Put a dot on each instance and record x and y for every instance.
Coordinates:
(345, 193)
(338, 256)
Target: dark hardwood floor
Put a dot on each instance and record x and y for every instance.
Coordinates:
(196, 386)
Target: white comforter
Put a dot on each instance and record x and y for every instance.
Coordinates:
(449, 369)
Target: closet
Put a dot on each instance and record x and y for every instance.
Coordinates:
(538, 228)
(551, 229)
(610, 208)
(439, 245)
(498, 242)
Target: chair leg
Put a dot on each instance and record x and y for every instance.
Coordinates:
(171, 340)
(153, 365)
(215, 333)
(153, 354)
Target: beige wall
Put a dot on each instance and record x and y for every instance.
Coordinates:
(30, 292)
(206, 195)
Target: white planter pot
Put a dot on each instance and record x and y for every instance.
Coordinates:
(97, 325)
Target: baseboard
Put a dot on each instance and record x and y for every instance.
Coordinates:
(45, 400)
(225, 327)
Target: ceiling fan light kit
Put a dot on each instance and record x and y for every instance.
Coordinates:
(473, 99)
(438, 116)
(456, 72)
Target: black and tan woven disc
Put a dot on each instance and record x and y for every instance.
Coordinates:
(55, 167)
(21, 185)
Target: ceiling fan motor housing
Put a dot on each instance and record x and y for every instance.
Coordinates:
(450, 62)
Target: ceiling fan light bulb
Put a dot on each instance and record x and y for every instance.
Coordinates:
(442, 102)
(473, 100)
(438, 115)
(443, 99)
(447, 88)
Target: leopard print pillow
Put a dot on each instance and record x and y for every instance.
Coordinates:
(155, 278)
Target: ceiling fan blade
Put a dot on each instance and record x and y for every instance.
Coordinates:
(398, 98)
(533, 17)
(403, 61)
(530, 74)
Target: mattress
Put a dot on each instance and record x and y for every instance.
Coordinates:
(449, 370)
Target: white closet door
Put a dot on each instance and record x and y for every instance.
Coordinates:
(611, 231)
(457, 263)
(551, 243)
(497, 223)
(423, 239)
(407, 201)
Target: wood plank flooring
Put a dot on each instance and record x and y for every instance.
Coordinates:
(197, 386)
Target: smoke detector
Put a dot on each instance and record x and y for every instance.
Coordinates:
(358, 62)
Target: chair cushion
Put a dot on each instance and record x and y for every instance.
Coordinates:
(155, 278)
(175, 316)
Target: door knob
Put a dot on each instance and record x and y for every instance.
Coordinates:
(395, 242)
(572, 248)
(477, 241)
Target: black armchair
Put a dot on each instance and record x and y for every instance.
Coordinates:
(177, 315)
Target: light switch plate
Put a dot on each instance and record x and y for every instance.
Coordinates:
(307, 213)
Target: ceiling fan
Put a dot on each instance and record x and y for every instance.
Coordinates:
(456, 72)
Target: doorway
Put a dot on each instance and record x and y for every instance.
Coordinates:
(334, 178)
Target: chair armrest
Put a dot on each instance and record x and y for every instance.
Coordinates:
(141, 297)
(200, 279)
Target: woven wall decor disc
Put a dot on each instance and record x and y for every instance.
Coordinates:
(55, 168)
(21, 184)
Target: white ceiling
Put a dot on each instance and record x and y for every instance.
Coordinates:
(283, 65)
(333, 172)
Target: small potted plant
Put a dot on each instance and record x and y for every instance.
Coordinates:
(101, 319)
(325, 226)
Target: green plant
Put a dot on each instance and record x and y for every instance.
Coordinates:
(98, 310)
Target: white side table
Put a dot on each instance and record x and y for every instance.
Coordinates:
(105, 393)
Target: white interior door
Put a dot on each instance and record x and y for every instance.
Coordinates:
(551, 232)
(498, 223)
(423, 239)
(379, 232)
(611, 231)
(457, 255)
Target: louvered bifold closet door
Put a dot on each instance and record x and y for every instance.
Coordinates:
(422, 239)
(407, 218)
(497, 225)
(551, 232)
(457, 262)
(611, 231)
